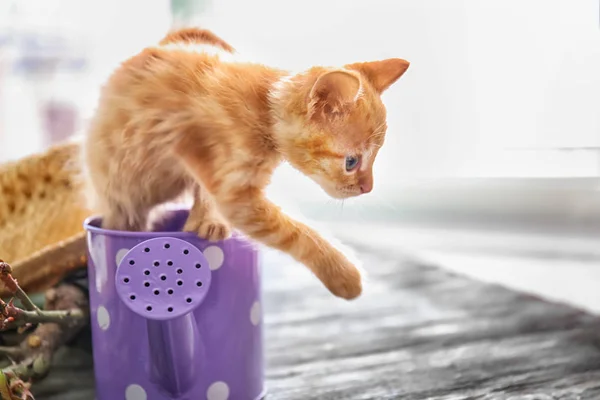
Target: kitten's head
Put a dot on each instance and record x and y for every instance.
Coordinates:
(331, 123)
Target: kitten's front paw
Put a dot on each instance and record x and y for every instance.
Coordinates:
(342, 279)
(214, 230)
(209, 229)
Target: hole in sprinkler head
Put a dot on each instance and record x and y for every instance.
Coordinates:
(167, 245)
(198, 265)
(198, 283)
(169, 263)
(146, 272)
(132, 297)
(170, 309)
(180, 271)
(156, 292)
(179, 282)
(186, 251)
(146, 249)
(149, 308)
(189, 300)
(156, 263)
(163, 277)
(126, 280)
(170, 291)
(146, 284)
(131, 262)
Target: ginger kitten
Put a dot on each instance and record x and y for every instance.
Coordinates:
(184, 115)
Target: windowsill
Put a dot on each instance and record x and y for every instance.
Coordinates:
(546, 204)
(559, 267)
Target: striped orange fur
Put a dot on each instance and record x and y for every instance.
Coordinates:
(184, 115)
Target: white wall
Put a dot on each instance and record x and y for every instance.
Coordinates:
(102, 32)
(486, 76)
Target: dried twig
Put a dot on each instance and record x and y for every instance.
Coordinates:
(13, 388)
(37, 349)
(14, 288)
(15, 317)
(12, 352)
(65, 314)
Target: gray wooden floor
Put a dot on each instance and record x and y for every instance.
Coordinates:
(419, 332)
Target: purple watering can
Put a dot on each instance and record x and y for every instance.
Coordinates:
(174, 316)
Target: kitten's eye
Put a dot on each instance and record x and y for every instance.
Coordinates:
(351, 163)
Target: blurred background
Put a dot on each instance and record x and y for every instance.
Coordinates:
(492, 160)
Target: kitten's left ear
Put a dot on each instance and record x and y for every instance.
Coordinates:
(382, 74)
(333, 92)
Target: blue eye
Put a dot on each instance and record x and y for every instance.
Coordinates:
(351, 163)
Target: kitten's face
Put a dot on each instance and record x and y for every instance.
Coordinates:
(344, 150)
(345, 126)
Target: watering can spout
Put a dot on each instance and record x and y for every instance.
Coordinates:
(164, 280)
(176, 354)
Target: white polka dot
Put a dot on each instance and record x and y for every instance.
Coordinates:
(120, 254)
(103, 318)
(215, 257)
(135, 392)
(255, 312)
(218, 391)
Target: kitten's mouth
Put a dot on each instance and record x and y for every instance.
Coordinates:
(339, 193)
(344, 193)
(353, 194)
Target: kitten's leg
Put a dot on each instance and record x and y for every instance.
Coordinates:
(123, 217)
(249, 211)
(205, 219)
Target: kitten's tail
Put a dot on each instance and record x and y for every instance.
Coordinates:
(195, 36)
(42, 209)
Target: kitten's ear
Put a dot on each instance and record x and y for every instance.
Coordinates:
(333, 92)
(382, 74)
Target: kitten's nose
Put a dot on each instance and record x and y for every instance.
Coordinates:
(366, 185)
